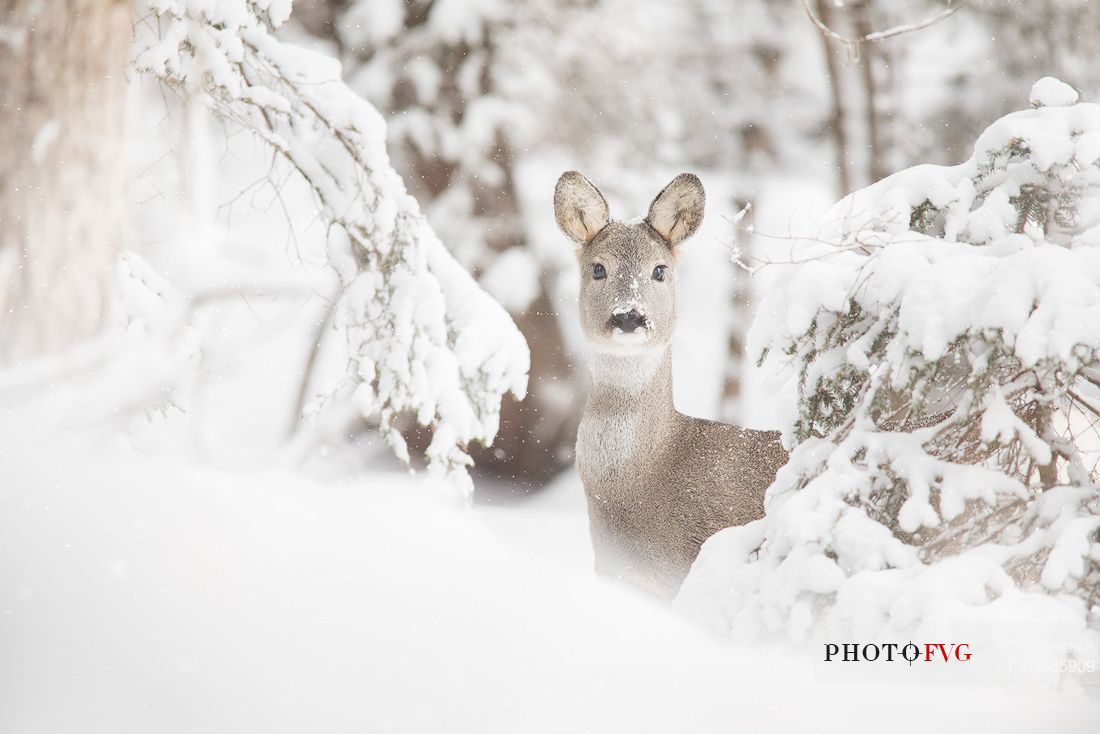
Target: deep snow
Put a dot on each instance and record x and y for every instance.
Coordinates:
(144, 594)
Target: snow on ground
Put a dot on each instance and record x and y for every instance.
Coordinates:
(139, 593)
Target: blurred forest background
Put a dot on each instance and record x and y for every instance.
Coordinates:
(486, 102)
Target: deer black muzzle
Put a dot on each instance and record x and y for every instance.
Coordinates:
(627, 321)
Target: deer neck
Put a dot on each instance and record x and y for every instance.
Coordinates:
(629, 411)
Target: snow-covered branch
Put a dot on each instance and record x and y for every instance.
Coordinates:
(426, 342)
(941, 396)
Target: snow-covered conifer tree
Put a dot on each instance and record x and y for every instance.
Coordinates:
(941, 340)
(424, 340)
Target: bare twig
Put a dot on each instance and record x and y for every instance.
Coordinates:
(1095, 410)
(853, 44)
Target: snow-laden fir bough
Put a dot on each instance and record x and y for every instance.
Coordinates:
(425, 340)
(943, 399)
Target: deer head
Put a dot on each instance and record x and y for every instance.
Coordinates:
(628, 269)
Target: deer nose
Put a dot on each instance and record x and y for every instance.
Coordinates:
(627, 321)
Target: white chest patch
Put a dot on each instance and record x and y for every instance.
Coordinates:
(606, 443)
(611, 435)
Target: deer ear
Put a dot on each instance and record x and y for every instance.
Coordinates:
(678, 209)
(579, 207)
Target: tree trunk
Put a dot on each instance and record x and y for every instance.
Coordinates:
(62, 103)
(869, 52)
(732, 409)
(839, 123)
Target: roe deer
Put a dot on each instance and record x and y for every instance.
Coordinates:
(658, 483)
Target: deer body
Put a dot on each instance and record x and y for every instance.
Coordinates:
(658, 483)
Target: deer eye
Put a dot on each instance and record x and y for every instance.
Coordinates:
(598, 272)
(659, 272)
